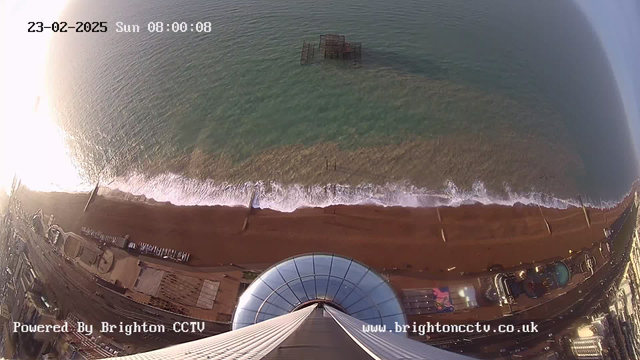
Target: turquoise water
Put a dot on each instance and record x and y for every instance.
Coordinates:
(492, 101)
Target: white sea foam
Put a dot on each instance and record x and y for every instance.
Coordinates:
(180, 190)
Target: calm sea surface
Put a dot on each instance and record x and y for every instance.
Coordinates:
(493, 101)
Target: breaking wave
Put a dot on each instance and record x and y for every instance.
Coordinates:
(179, 190)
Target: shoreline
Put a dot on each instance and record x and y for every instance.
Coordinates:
(408, 239)
(289, 198)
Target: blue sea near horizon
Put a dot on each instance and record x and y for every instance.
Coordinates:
(494, 102)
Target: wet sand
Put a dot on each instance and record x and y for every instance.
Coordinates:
(477, 236)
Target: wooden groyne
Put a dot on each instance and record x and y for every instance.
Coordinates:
(92, 197)
(250, 206)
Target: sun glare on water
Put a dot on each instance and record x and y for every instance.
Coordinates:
(31, 144)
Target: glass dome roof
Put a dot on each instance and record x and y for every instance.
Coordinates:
(562, 274)
(344, 283)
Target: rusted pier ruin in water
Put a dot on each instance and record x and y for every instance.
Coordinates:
(332, 46)
(308, 53)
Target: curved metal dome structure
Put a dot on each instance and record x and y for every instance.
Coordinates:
(313, 332)
(340, 282)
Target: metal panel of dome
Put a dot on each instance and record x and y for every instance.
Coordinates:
(338, 281)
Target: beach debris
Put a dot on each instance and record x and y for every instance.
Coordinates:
(451, 268)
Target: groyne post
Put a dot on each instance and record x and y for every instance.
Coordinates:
(584, 210)
(545, 220)
(604, 213)
(250, 206)
(92, 197)
(444, 237)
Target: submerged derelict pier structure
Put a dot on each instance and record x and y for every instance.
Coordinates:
(308, 53)
(332, 46)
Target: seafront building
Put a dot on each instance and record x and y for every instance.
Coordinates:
(587, 348)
